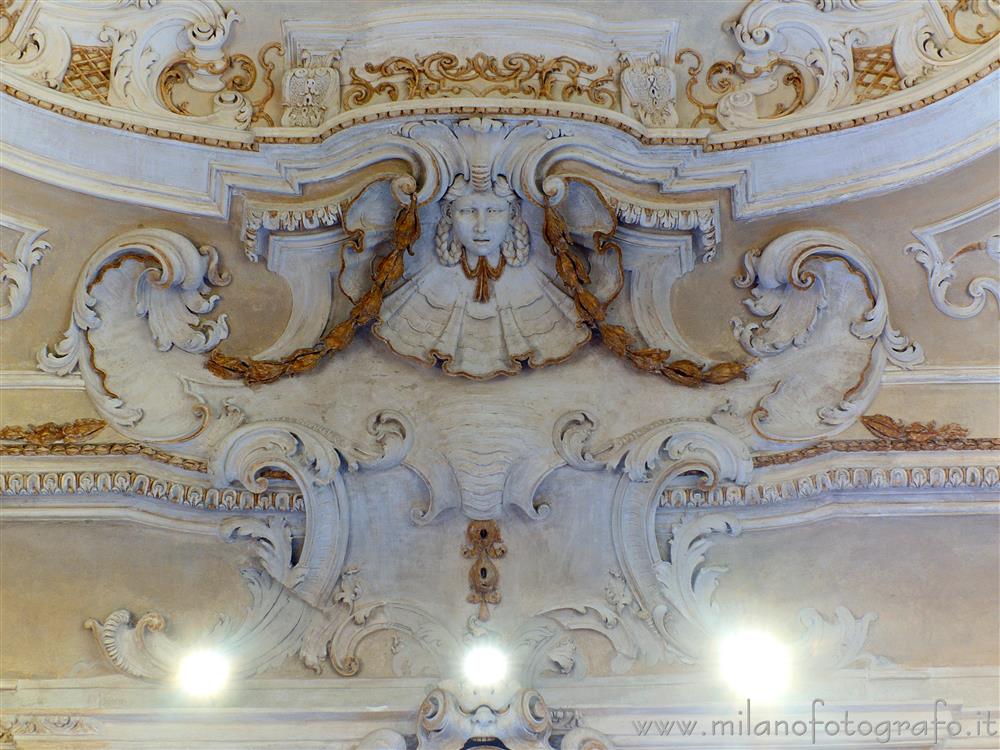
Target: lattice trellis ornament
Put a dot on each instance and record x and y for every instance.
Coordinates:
(875, 73)
(89, 74)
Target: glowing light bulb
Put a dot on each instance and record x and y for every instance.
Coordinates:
(485, 666)
(755, 664)
(203, 672)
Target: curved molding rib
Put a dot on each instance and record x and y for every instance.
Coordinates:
(15, 271)
(624, 71)
(171, 295)
(941, 270)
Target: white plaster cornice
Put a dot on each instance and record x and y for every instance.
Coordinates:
(34, 380)
(766, 179)
(137, 511)
(335, 714)
(943, 375)
(835, 484)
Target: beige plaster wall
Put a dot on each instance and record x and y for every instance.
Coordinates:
(56, 575)
(933, 582)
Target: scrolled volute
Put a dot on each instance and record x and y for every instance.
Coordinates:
(789, 281)
(315, 460)
(661, 450)
(171, 294)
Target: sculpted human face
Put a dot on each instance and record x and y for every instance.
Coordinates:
(480, 222)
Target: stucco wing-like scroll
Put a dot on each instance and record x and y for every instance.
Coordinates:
(661, 450)
(171, 294)
(656, 610)
(660, 608)
(806, 285)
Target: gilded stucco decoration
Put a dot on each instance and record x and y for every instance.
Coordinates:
(501, 410)
(801, 58)
(519, 75)
(521, 307)
(797, 60)
(884, 426)
(50, 432)
(88, 75)
(484, 544)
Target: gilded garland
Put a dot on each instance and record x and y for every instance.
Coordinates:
(573, 272)
(386, 274)
(475, 297)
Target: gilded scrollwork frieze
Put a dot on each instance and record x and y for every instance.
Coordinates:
(238, 75)
(518, 74)
(970, 20)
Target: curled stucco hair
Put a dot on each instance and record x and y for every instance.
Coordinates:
(515, 247)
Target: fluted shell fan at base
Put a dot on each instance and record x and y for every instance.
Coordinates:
(436, 317)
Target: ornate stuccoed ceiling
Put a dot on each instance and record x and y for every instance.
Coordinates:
(587, 331)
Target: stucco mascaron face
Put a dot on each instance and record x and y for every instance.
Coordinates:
(536, 256)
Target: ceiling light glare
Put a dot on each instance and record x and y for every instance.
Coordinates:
(203, 673)
(485, 666)
(755, 664)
